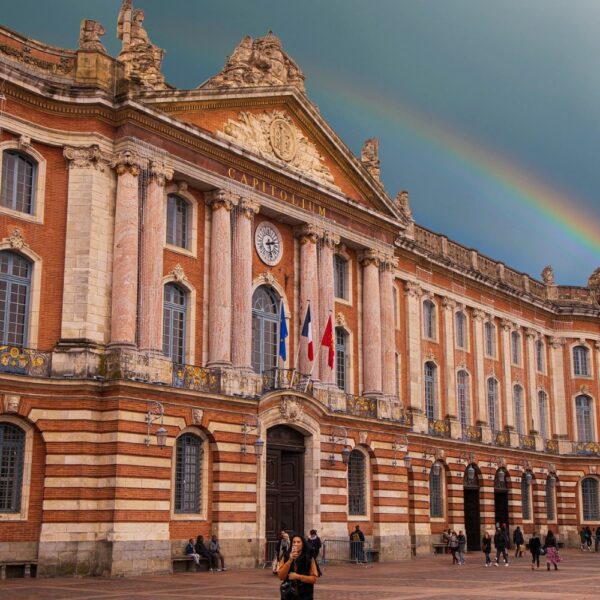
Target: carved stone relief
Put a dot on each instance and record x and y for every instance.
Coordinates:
(291, 408)
(197, 414)
(11, 403)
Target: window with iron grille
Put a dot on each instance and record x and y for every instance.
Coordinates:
(518, 404)
(460, 324)
(340, 277)
(429, 319)
(265, 329)
(436, 506)
(590, 499)
(430, 391)
(15, 290)
(515, 347)
(492, 399)
(543, 408)
(525, 499)
(188, 474)
(490, 339)
(539, 356)
(178, 213)
(340, 358)
(581, 361)
(583, 410)
(174, 318)
(18, 182)
(357, 489)
(550, 484)
(12, 452)
(462, 389)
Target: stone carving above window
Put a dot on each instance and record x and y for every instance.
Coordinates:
(275, 136)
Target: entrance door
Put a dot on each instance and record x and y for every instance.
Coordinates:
(472, 519)
(501, 507)
(285, 481)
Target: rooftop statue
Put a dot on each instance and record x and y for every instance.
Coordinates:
(548, 276)
(90, 33)
(369, 157)
(401, 201)
(594, 280)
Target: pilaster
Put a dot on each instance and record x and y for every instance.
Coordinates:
(388, 329)
(326, 298)
(413, 321)
(530, 338)
(371, 323)
(449, 306)
(507, 387)
(558, 386)
(478, 342)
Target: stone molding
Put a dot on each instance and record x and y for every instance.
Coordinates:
(221, 198)
(448, 304)
(330, 239)
(308, 232)
(16, 240)
(413, 289)
(127, 161)
(87, 157)
(369, 257)
(388, 262)
(478, 315)
(160, 173)
(557, 342)
(248, 207)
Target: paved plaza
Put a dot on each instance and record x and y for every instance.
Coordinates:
(427, 578)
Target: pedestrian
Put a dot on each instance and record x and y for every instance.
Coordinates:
(500, 543)
(314, 544)
(597, 539)
(535, 545)
(462, 542)
(282, 548)
(588, 538)
(357, 545)
(298, 573)
(215, 549)
(446, 540)
(504, 529)
(518, 541)
(202, 550)
(551, 547)
(582, 543)
(453, 545)
(486, 547)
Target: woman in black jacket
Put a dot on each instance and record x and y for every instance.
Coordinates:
(299, 570)
(486, 547)
(535, 545)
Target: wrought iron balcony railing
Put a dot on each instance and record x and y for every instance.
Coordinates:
(361, 406)
(25, 361)
(527, 442)
(502, 439)
(551, 446)
(198, 379)
(439, 427)
(471, 433)
(587, 448)
(286, 379)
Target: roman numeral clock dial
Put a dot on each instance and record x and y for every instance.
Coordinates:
(268, 243)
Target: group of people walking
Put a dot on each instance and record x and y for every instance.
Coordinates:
(211, 551)
(586, 536)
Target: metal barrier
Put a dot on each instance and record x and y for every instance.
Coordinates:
(343, 550)
(270, 552)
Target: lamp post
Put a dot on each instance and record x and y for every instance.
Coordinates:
(400, 442)
(250, 424)
(337, 439)
(525, 466)
(154, 413)
(467, 458)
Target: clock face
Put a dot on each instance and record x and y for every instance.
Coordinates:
(269, 246)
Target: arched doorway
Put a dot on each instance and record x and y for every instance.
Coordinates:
(471, 507)
(284, 481)
(501, 512)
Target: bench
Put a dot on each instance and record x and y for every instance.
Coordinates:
(18, 568)
(185, 561)
(439, 547)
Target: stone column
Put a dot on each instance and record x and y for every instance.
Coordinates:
(326, 299)
(481, 390)
(125, 253)
(507, 388)
(219, 286)
(371, 324)
(151, 267)
(241, 347)
(558, 387)
(388, 328)
(449, 306)
(534, 425)
(413, 324)
(309, 293)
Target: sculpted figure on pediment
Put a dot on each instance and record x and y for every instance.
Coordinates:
(548, 276)
(90, 33)
(594, 280)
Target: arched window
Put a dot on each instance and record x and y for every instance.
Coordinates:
(492, 402)
(341, 375)
(583, 410)
(543, 408)
(550, 504)
(265, 324)
(188, 474)
(581, 362)
(462, 389)
(430, 390)
(515, 340)
(525, 496)
(18, 182)
(174, 320)
(436, 493)
(589, 499)
(518, 404)
(12, 452)
(15, 291)
(357, 484)
(539, 356)
(340, 277)
(460, 325)
(490, 339)
(429, 319)
(178, 218)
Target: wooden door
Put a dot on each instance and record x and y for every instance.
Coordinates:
(472, 519)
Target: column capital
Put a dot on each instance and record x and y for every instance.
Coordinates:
(531, 333)
(478, 315)
(128, 162)
(87, 157)
(221, 198)
(597, 345)
(248, 207)
(557, 342)
(506, 324)
(449, 304)
(388, 262)
(160, 173)
(413, 289)
(308, 233)
(369, 257)
(330, 239)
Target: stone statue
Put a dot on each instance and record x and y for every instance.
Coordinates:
(401, 201)
(548, 276)
(140, 57)
(594, 280)
(90, 33)
(369, 157)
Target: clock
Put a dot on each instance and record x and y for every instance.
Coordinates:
(268, 243)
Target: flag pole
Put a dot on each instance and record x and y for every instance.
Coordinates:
(278, 340)
(299, 337)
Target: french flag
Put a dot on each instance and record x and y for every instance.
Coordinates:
(307, 333)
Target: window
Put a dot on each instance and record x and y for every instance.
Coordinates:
(341, 355)
(492, 401)
(357, 497)
(430, 390)
(174, 318)
(525, 497)
(15, 288)
(462, 389)
(583, 410)
(539, 356)
(436, 496)
(518, 404)
(178, 212)
(581, 364)
(18, 182)
(265, 324)
(515, 340)
(460, 325)
(12, 452)
(340, 277)
(490, 339)
(590, 501)
(429, 319)
(188, 474)
(550, 484)
(543, 408)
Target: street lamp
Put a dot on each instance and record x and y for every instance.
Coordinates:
(398, 444)
(250, 424)
(156, 412)
(337, 439)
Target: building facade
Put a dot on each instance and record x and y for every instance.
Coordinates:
(155, 246)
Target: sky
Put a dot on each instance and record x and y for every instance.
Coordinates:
(487, 112)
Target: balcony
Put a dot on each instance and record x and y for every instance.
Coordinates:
(439, 427)
(586, 448)
(198, 379)
(25, 361)
(502, 439)
(527, 442)
(471, 433)
(286, 379)
(551, 446)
